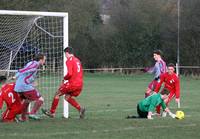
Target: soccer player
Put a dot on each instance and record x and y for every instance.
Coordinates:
(146, 107)
(71, 86)
(157, 70)
(12, 100)
(25, 86)
(171, 83)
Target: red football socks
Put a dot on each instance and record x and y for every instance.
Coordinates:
(158, 109)
(54, 105)
(36, 106)
(74, 103)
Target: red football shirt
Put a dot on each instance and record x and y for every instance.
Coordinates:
(74, 71)
(8, 95)
(171, 82)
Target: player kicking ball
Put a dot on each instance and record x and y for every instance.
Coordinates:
(71, 85)
(146, 107)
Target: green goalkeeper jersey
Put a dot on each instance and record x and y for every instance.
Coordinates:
(150, 103)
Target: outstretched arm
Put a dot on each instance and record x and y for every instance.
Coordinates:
(170, 113)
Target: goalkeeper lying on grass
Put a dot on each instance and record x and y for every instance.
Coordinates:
(147, 106)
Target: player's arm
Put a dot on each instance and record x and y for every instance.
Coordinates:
(163, 105)
(151, 108)
(150, 70)
(30, 67)
(170, 113)
(69, 70)
(150, 111)
(149, 116)
(1, 100)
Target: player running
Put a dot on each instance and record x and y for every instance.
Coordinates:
(157, 70)
(12, 100)
(25, 86)
(171, 83)
(71, 86)
(146, 107)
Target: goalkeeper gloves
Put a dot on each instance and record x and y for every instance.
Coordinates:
(172, 115)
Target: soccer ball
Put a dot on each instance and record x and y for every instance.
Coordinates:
(180, 115)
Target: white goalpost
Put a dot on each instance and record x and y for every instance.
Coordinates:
(23, 34)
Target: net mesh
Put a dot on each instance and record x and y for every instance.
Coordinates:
(22, 37)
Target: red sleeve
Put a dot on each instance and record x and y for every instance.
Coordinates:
(1, 100)
(69, 69)
(157, 88)
(177, 87)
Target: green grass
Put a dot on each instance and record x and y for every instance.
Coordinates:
(109, 99)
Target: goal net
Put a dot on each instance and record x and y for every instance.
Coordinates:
(25, 34)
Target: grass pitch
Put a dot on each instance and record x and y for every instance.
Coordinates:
(109, 98)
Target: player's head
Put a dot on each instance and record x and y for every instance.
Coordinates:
(165, 93)
(41, 58)
(157, 54)
(68, 51)
(171, 68)
(3, 79)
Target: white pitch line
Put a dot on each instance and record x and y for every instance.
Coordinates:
(115, 110)
(93, 131)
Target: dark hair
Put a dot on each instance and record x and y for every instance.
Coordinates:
(3, 78)
(165, 92)
(171, 65)
(68, 49)
(38, 57)
(158, 52)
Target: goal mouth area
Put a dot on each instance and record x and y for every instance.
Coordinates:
(24, 34)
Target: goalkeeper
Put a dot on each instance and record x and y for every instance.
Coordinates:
(146, 107)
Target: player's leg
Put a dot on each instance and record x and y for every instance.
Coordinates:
(71, 100)
(54, 104)
(35, 96)
(134, 116)
(170, 97)
(25, 110)
(7, 116)
(10, 114)
(150, 88)
(158, 109)
(141, 114)
(74, 91)
(38, 103)
(148, 92)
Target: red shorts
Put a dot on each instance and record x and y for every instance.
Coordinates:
(10, 113)
(152, 84)
(31, 95)
(66, 88)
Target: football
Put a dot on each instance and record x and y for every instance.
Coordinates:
(180, 115)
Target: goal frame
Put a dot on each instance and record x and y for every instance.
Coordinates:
(65, 37)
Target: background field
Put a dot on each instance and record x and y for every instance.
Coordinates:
(109, 98)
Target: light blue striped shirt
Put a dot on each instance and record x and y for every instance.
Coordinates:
(26, 76)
